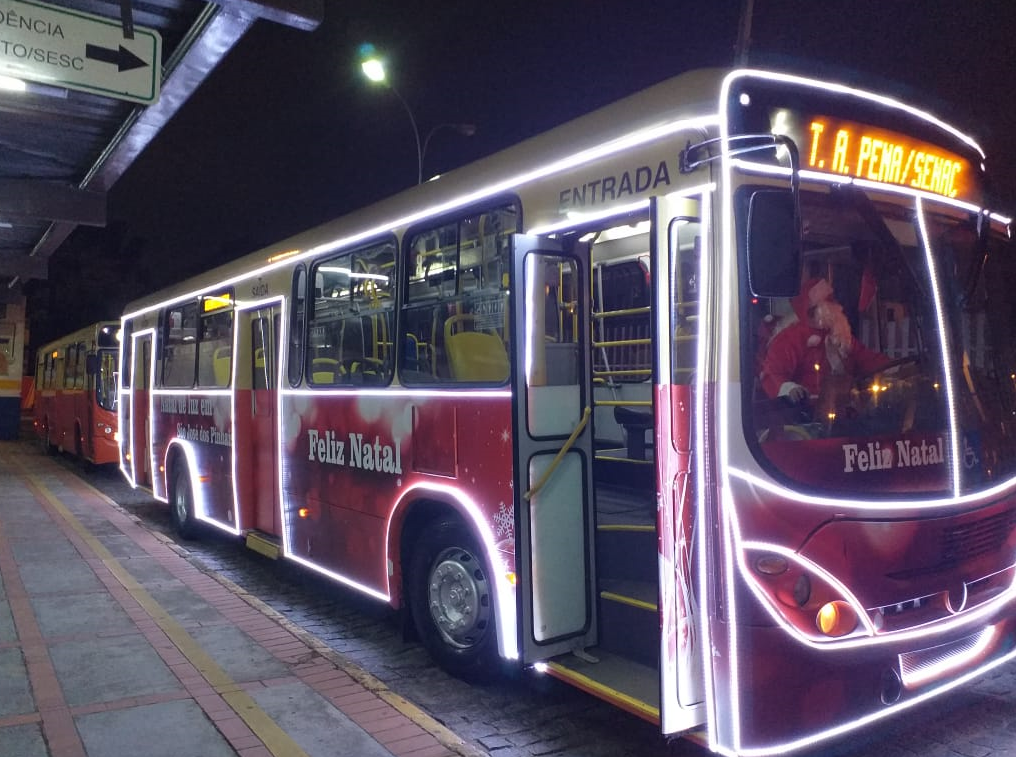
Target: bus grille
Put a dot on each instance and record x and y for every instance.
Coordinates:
(978, 538)
(927, 665)
(966, 542)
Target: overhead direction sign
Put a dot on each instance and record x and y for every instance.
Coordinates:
(69, 48)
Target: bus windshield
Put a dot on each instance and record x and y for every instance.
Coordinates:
(893, 367)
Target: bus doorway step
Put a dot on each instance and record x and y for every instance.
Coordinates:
(625, 684)
(264, 544)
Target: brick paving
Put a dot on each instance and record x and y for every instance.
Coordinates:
(90, 649)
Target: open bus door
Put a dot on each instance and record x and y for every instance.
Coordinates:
(137, 410)
(679, 229)
(554, 443)
(257, 464)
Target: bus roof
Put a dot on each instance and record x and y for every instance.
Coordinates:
(689, 95)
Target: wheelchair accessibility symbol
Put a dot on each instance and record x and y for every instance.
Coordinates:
(970, 458)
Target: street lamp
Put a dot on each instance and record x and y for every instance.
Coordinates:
(373, 67)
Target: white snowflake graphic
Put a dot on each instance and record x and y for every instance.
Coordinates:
(504, 521)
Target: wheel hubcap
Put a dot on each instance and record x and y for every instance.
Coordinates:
(180, 503)
(459, 597)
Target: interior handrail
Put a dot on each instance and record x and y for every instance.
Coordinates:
(560, 454)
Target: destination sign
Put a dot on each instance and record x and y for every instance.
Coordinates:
(862, 151)
(69, 48)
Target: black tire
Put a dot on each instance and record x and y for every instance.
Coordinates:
(47, 445)
(181, 505)
(452, 602)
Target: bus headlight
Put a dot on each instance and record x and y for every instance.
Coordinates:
(799, 594)
(836, 618)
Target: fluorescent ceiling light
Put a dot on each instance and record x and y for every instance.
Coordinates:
(12, 84)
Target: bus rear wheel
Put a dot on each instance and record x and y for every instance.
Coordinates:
(181, 505)
(452, 602)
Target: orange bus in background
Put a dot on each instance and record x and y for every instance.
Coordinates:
(76, 393)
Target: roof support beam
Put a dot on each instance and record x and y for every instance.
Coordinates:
(37, 198)
(218, 28)
(213, 35)
(300, 14)
(23, 267)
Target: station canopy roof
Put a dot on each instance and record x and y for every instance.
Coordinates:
(62, 149)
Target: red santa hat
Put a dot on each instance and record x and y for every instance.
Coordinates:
(813, 291)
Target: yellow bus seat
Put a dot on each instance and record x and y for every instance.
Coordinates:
(324, 370)
(221, 365)
(474, 355)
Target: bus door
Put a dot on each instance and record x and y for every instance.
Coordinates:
(679, 230)
(257, 455)
(553, 472)
(139, 415)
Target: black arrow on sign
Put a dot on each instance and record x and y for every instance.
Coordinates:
(124, 59)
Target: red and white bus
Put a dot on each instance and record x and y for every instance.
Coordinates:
(76, 393)
(539, 405)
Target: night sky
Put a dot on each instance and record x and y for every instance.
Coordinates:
(286, 133)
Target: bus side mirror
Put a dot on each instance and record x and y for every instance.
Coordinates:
(91, 364)
(774, 243)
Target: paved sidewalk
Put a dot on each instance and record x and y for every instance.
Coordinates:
(112, 644)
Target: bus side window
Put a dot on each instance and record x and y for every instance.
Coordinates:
(70, 365)
(215, 351)
(179, 348)
(79, 369)
(296, 326)
(350, 323)
(372, 305)
(127, 351)
(455, 316)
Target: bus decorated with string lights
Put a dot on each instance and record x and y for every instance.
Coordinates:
(703, 403)
(76, 394)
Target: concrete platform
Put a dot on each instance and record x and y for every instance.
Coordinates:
(112, 644)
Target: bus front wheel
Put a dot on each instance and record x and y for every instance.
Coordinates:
(182, 505)
(452, 602)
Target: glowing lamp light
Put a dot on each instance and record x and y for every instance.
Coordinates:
(303, 512)
(11, 84)
(836, 618)
(512, 578)
(372, 65)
